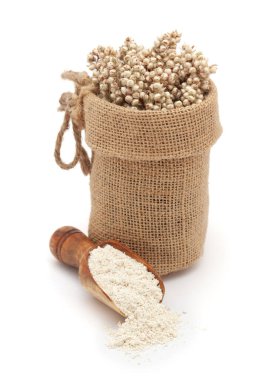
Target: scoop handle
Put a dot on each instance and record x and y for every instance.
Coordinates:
(68, 245)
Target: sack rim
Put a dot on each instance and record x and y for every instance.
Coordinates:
(115, 131)
(175, 111)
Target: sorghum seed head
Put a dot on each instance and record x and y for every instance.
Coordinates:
(130, 83)
(135, 102)
(136, 95)
(164, 76)
(178, 103)
(157, 97)
(128, 99)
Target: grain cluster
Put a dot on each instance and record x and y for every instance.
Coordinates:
(161, 78)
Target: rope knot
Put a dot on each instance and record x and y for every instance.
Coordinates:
(72, 105)
(67, 101)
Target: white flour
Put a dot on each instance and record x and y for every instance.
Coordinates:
(136, 293)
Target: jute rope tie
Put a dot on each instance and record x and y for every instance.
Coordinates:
(72, 105)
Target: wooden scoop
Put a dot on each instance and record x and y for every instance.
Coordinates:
(70, 246)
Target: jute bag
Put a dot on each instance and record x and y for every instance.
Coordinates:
(148, 175)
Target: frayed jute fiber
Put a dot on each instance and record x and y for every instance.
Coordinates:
(149, 173)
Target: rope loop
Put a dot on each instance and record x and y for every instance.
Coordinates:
(72, 105)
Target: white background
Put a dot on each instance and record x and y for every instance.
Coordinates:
(50, 327)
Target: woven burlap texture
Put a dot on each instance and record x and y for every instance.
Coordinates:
(149, 172)
(149, 178)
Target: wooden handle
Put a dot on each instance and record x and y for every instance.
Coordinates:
(68, 245)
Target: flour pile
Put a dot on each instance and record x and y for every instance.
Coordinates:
(136, 292)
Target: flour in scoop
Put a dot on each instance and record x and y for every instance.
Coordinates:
(136, 292)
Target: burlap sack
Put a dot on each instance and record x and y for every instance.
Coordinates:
(149, 178)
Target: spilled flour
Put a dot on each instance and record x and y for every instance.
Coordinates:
(136, 292)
